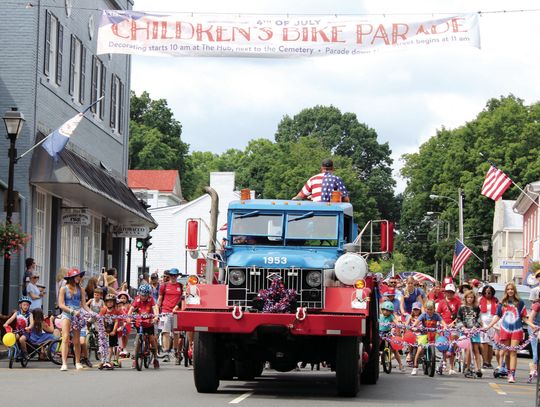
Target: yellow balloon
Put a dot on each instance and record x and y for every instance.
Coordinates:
(9, 339)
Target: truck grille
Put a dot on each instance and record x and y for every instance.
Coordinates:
(258, 278)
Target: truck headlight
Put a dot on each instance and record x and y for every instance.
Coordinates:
(237, 277)
(313, 278)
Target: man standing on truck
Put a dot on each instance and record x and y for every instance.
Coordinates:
(319, 188)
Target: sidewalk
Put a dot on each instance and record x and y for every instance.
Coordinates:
(3, 351)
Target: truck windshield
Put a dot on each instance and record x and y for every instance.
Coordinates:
(312, 229)
(255, 227)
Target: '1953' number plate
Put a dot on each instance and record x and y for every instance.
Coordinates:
(275, 260)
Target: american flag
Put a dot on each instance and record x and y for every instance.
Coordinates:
(495, 184)
(416, 275)
(461, 255)
(321, 186)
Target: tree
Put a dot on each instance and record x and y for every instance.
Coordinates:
(508, 133)
(155, 141)
(344, 135)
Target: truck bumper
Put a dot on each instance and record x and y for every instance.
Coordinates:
(313, 324)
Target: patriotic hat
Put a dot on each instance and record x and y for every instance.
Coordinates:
(73, 273)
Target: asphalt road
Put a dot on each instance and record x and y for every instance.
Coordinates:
(43, 384)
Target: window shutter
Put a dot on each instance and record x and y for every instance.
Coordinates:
(46, 56)
(102, 93)
(72, 66)
(83, 75)
(60, 53)
(93, 90)
(121, 107)
(113, 102)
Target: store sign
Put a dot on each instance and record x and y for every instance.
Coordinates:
(81, 219)
(130, 231)
(511, 264)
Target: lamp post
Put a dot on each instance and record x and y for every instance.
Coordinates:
(485, 248)
(459, 203)
(14, 121)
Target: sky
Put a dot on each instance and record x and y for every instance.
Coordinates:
(405, 96)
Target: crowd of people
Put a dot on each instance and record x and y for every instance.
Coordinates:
(492, 327)
(103, 298)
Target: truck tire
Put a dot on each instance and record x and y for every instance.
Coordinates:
(348, 364)
(205, 366)
(227, 370)
(370, 371)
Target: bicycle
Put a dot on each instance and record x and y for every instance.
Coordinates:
(386, 356)
(92, 342)
(143, 351)
(429, 359)
(54, 352)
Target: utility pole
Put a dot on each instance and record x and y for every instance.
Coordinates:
(461, 237)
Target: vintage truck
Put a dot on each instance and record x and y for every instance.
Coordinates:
(332, 317)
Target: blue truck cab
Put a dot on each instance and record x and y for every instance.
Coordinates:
(295, 240)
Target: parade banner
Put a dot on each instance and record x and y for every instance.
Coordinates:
(219, 35)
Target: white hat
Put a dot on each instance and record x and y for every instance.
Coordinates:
(450, 287)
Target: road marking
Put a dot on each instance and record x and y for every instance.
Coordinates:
(241, 398)
(497, 389)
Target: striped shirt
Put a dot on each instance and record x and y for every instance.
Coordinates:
(321, 186)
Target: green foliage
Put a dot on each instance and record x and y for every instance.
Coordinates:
(345, 136)
(508, 133)
(155, 137)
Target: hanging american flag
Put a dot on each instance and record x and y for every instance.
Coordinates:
(495, 184)
(461, 255)
(416, 275)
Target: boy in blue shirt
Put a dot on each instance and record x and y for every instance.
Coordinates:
(385, 319)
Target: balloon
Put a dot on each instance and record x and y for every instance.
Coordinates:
(58, 323)
(422, 339)
(9, 339)
(397, 343)
(463, 343)
(409, 337)
(441, 343)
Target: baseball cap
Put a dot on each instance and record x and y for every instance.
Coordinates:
(450, 287)
(327, 163)
(390, 291)
(416, 305)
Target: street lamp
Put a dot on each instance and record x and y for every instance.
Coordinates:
(459, 203)
(485, 248)
(14, 120)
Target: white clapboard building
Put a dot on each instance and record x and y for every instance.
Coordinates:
(169, 239)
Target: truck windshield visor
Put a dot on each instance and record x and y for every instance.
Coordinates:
(310, 226)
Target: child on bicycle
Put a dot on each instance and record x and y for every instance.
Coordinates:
(109, 312)
(23, 322)
(144, 304)
(430, 320)
(386, 318)
(124, 329)
(469, 318)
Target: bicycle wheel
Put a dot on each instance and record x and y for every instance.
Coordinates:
(139, 352)
(93, 347)
(12, 354)
(432, 360)
(386, 358)
(54, 352)
(24, 360)
(425, 360)
(147, 353)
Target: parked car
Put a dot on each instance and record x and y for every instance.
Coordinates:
(524, 291)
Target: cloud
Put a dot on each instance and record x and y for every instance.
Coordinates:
(405, 96)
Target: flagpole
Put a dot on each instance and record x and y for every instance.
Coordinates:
(518, 187)
(45, 138)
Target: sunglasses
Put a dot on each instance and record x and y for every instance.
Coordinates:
(35, 277)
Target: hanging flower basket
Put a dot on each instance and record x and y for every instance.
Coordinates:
(12, 238)
(276, 298)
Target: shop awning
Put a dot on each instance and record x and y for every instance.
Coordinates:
(75, 179)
